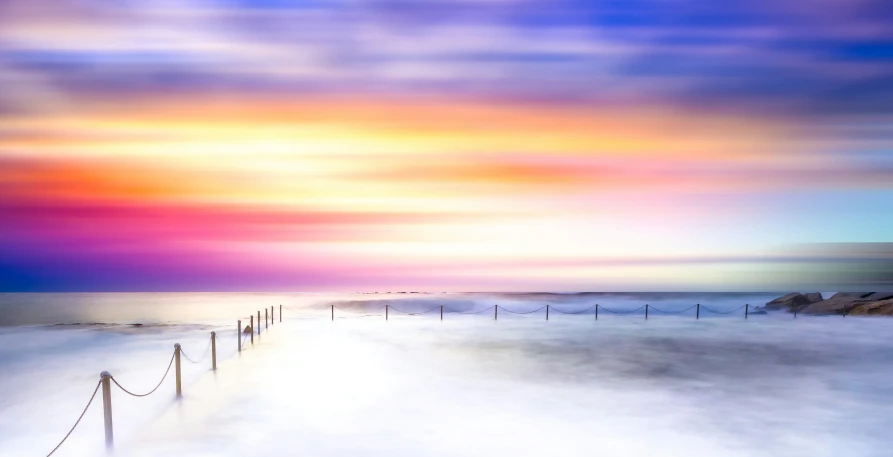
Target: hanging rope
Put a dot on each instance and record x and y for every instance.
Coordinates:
(552, 308)
(652, 308)
(721, 312)
(79, 419)
(205, 355)
(622, 312)
(415, 314)
(364, 309)
(351, 312)
(470, 312)
(156, 387)
(522, 312)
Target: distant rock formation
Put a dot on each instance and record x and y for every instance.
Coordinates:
(794, 301)
(845, 303)
(247, 329)
(814, 297)
(878, 308)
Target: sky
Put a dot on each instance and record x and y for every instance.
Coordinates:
(456, 145)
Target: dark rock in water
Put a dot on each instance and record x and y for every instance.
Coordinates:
(878, 308)
(845, 303)
(247, 329)
(786, 301)
(814, 297)
(880, 296)
(794, 301)
(758, 311)
(839, 303)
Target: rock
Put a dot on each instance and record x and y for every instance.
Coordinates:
(839, 303)
(247, 329)
(786, 301)
(880, 296)
(877, 308)
(758, 311)
(814, 297)
(790, 301)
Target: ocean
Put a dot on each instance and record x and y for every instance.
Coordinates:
(411, 384)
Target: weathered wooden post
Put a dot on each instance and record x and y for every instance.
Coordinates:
(746, 310)
(280, 313)
(698, 311)
(795, 311)
(258, 323)
(105, 379)
(333, 312)
(596, 311)
(272, 315)
(386, 308)
(441, 312)
(646, 312)
(266, 320)
(496, 312)
(251, 324)
(239, 334)
(547, 312)
(214, 351)
(177, 368)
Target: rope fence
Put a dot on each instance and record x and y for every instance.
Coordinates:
(106, 379)
(721, 312)
(163, 377)
(247, 333)
(348, 313)
(202, 358)
(77, 421)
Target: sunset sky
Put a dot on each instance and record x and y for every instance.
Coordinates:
(437, 145)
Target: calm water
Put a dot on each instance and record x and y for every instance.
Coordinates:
(469, 385)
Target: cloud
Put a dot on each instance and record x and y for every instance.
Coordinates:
(368, 139)
(746, 56)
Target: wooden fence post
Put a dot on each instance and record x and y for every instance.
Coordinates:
(105, 377)
(177, 368)
(214, 351)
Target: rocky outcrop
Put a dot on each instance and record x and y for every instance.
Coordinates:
(880, 296)
(814, 297)
(841, 303)
(793, 301)
(247, 329)
(878, 308)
